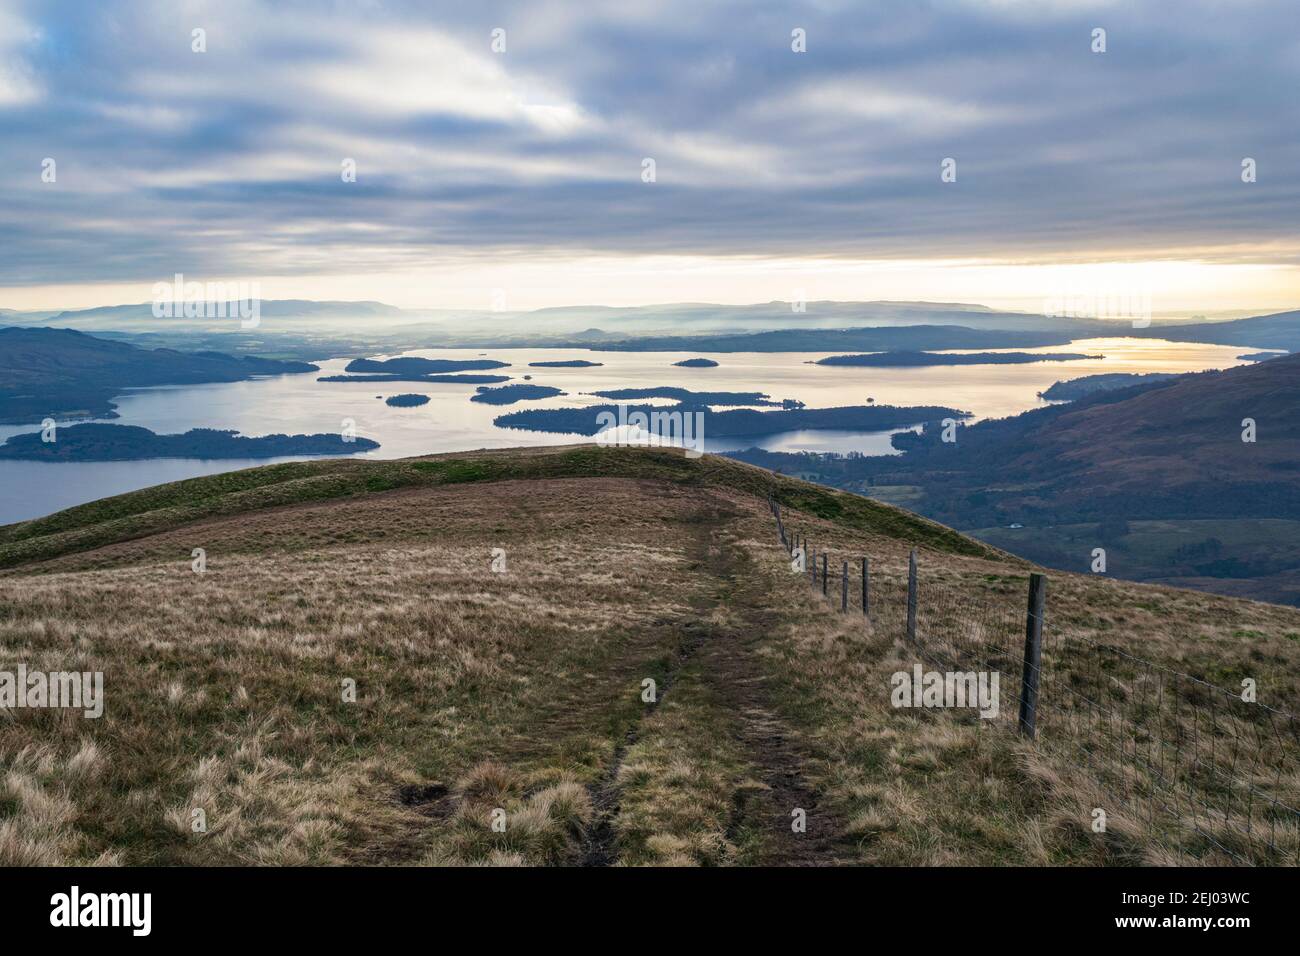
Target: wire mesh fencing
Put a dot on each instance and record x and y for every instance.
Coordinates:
(1206, 769)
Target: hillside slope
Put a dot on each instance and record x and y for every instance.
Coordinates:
(499, 615)
(1152, 451)
(64, 373)
(1280, 330)
(1085, 474)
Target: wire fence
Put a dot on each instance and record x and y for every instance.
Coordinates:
(1205, 769)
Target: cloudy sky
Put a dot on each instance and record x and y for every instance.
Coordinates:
(776, 172)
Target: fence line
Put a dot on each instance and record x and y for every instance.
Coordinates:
(1205, 768)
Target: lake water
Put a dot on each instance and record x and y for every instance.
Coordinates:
(295, 404)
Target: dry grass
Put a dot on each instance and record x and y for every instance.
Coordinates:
(224, 689)
(931, 787)
(520, 693)
(680, 780)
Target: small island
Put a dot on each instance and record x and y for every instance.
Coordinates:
(452, 379)
(416, 369)
(406, 400)
(740, 422)
(696, 363)
(691, 397)
(95, 441)
(509, 394)
(413, 365)
(571, 363)
(920, 359)
(1260, 356)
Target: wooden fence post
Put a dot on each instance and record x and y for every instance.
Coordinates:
(824, 577)
(1033, 655)
(911, 597)
(844, 589)
(865, 589)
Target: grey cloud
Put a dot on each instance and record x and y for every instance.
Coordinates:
(170, 161)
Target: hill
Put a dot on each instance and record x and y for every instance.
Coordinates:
(140, 314)
(1281, 330)
(61, 373)
(380, 659)
(1166, 451)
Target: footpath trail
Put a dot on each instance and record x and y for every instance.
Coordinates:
(720, 649)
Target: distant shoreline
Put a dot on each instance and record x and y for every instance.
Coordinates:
(908, 359)
(96, 442)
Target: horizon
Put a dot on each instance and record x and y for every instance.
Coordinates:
(1175, 316)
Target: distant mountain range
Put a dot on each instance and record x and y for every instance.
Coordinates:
(310, 329)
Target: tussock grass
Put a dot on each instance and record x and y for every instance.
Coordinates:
(502, 820)
(224, 689)
(680, 782)
(937, 787)
(520, 692)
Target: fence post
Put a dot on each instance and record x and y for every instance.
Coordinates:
(824, 578)
(1033, 655)
(811, 558)
(911, 597)
(865, 590)
(844, 589)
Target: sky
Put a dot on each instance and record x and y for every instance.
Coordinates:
(514, 169)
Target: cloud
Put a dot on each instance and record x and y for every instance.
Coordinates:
(17, 83)
(227, 162)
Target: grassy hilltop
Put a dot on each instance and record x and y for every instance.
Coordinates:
(522, 691)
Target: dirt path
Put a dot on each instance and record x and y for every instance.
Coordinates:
(727, 660)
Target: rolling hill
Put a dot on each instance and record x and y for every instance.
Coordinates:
(1168, 451)
(1281, 330)
(62, 373)
(379, 662)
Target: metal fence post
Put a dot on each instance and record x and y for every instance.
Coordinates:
(824, 578)
(1033, 655)
(844, 589)
(865, 590)
(911, 597)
